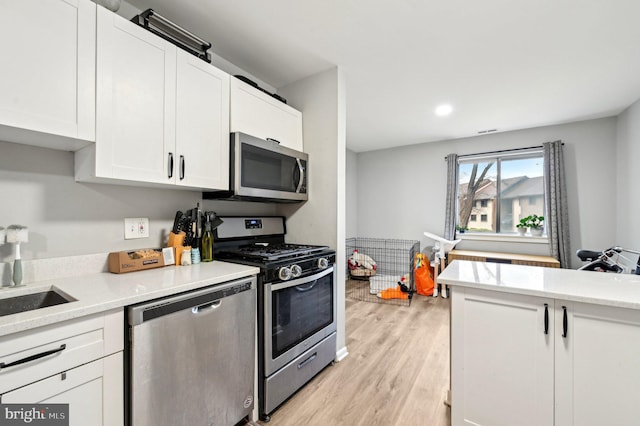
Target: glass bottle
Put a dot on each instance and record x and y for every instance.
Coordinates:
(207, 243)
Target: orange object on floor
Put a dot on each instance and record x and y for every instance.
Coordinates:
(424, 275)
(393, 293)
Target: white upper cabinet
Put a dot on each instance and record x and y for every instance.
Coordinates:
(135, 101)
(162, 114)
(202, 124)
(47, 77)
(255, 113)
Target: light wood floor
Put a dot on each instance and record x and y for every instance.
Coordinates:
(397, 371)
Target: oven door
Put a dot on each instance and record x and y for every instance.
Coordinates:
(298, 314)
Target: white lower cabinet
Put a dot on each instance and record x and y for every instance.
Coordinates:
(502, 360)
(77, 362)
(93, 392)
(505, 370)
(597, 365)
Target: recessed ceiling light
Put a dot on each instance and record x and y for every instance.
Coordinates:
(443, 110)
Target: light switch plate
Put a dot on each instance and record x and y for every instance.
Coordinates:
(137, 227)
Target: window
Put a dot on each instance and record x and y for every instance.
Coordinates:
(507, 187)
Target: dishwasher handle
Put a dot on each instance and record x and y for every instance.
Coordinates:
(203, 309)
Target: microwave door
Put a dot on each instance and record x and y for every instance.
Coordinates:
(268, 173)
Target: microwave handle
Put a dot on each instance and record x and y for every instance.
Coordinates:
(301, 170)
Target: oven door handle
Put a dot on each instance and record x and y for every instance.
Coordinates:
(305, 289)
(301, 281)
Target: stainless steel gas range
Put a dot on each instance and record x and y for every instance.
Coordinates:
(296, 303)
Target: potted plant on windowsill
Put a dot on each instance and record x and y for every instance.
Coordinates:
(523, 225)
(536, 223)
(461, 229)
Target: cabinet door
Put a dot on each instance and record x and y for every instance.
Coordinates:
(502, 360)
(94, 392)
(135, 132)
(202, 124)
(47, 77)
(258, 114)
(597, 365)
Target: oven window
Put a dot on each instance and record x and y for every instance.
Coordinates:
(299, 312)
(266, 169)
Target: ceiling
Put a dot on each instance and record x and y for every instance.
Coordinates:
(501, 64)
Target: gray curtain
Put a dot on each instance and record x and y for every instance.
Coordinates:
(450, 209)
(557, 219)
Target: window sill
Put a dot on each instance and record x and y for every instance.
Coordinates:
(506, 238)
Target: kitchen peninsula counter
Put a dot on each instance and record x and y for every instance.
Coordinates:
(537, 346)
(621, 290)
(101, 292)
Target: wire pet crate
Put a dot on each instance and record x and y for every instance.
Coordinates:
(392, 260)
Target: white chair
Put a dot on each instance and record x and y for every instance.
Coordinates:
(440, 248)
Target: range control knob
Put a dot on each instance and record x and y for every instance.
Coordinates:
(323, 263)
(284, 273)
(296, 271)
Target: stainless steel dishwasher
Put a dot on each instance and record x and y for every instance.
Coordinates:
(191, 357)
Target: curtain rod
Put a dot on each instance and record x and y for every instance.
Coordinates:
(500, 151)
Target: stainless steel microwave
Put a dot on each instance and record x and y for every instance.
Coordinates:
(263, 170)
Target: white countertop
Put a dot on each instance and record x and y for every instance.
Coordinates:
(105, 291)
(621, 290)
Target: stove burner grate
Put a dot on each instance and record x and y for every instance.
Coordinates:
(274, 251)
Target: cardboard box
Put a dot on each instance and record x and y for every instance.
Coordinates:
(138, 260)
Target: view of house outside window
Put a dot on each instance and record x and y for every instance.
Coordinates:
(495, 193)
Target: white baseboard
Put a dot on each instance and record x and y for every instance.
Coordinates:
(341, 354)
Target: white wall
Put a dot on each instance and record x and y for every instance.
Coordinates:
(351, 194)
(628, 178)
(321, 220)
(65, 218)
(401, 191)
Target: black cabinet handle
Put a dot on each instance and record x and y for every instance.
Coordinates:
(33, 357)
(182, 167)
(170, 165)
(546, 318)
(565, 321)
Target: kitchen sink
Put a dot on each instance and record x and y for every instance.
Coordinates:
(30, 302)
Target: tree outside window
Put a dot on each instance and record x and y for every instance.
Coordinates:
(501, 189)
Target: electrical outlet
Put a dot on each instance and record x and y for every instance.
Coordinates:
(137, 227)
